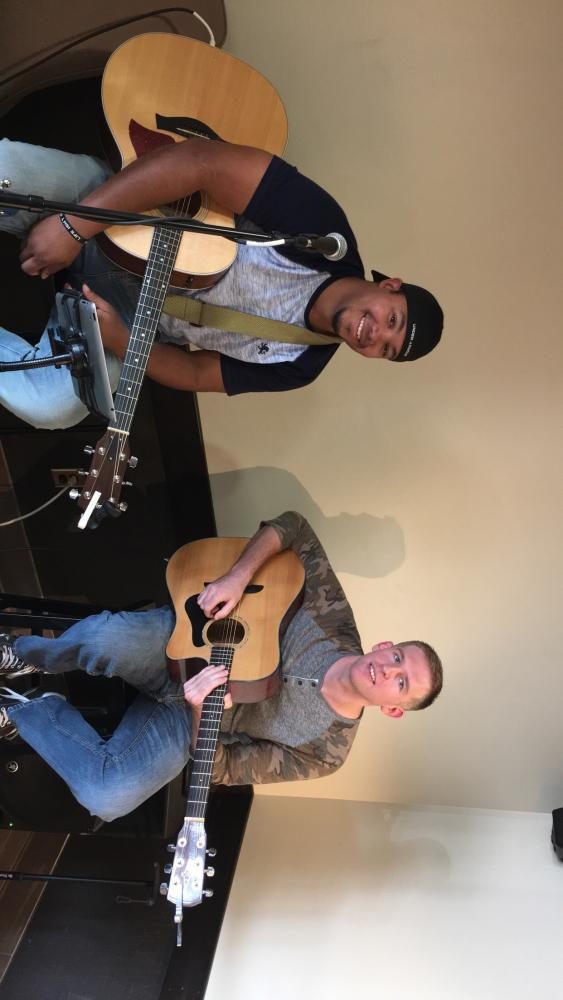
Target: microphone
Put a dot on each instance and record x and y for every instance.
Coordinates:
(333, 246)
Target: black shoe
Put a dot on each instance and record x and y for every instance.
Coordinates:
(12, 665)
(8, 729)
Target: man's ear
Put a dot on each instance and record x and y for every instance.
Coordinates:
(393, 284)
(392, 711)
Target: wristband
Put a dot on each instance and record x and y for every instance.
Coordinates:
(70, 229)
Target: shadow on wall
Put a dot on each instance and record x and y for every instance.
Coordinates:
(360, 544)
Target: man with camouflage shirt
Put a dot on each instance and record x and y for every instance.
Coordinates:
(304, 731)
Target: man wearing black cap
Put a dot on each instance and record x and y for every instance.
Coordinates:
(302, 293)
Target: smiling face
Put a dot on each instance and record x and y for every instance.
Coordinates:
(393, 677)
(373, 319)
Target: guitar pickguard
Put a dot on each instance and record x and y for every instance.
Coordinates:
(144, 140)
(187, 127)
(197, 618)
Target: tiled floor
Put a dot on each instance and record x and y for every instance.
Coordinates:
(25, 852)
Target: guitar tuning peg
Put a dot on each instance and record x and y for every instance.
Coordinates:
(74, 493)
(208, 893)
(171, 848)
(207, 871)
(126, 483)
(123, 506)
(167, 869)
(133, 462)
(211, 851)
(88, 449)
(163, 888)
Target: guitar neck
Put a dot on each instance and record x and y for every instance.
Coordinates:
(208, 734)
(160, 263)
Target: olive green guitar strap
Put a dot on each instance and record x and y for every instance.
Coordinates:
(220, 318)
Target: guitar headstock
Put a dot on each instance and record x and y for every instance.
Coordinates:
(186, 878)
(100, 495)
(188, 869)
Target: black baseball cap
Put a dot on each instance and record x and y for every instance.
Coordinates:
(425, 321)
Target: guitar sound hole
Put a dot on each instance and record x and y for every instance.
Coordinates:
(188, 206)
(228, 632)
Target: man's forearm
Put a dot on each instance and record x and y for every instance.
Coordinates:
(261, 547)
(265, 762)
(195, 371)
(228, 173)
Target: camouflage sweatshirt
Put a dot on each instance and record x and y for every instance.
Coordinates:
(295, 734)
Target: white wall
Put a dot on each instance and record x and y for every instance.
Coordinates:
(340, 899)
(436, 487)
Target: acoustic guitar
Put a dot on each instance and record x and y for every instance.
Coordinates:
(163, 88)
(247, 643)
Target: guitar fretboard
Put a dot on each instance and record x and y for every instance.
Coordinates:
(159, 267)
(211, 715)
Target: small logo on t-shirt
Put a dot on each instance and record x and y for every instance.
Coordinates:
(263, 348)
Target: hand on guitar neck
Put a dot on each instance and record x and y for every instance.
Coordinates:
(197, 689)
(190, 372)
(114, 332)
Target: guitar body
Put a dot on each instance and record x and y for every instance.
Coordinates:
(253, 632)
(162, 88)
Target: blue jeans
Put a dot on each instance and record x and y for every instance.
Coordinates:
(151, 744)
(44, 397)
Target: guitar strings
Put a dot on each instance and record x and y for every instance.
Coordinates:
(221, 654)
(139, 347)
(164, 248)
(160, 265)
(214, 705)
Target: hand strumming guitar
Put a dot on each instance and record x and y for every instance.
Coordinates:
(219, 598)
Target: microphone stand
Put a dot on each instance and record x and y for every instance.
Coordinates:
(34, 203)
(332, 247)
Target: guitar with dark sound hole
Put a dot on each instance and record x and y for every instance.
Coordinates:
(247, 643)
(158, 89)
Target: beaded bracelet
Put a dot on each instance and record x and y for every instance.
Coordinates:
(70, 229)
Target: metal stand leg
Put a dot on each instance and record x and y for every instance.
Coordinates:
(150, 900)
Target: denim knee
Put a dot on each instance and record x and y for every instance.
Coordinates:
(50, 173)
(66, 413)
(109, 804)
